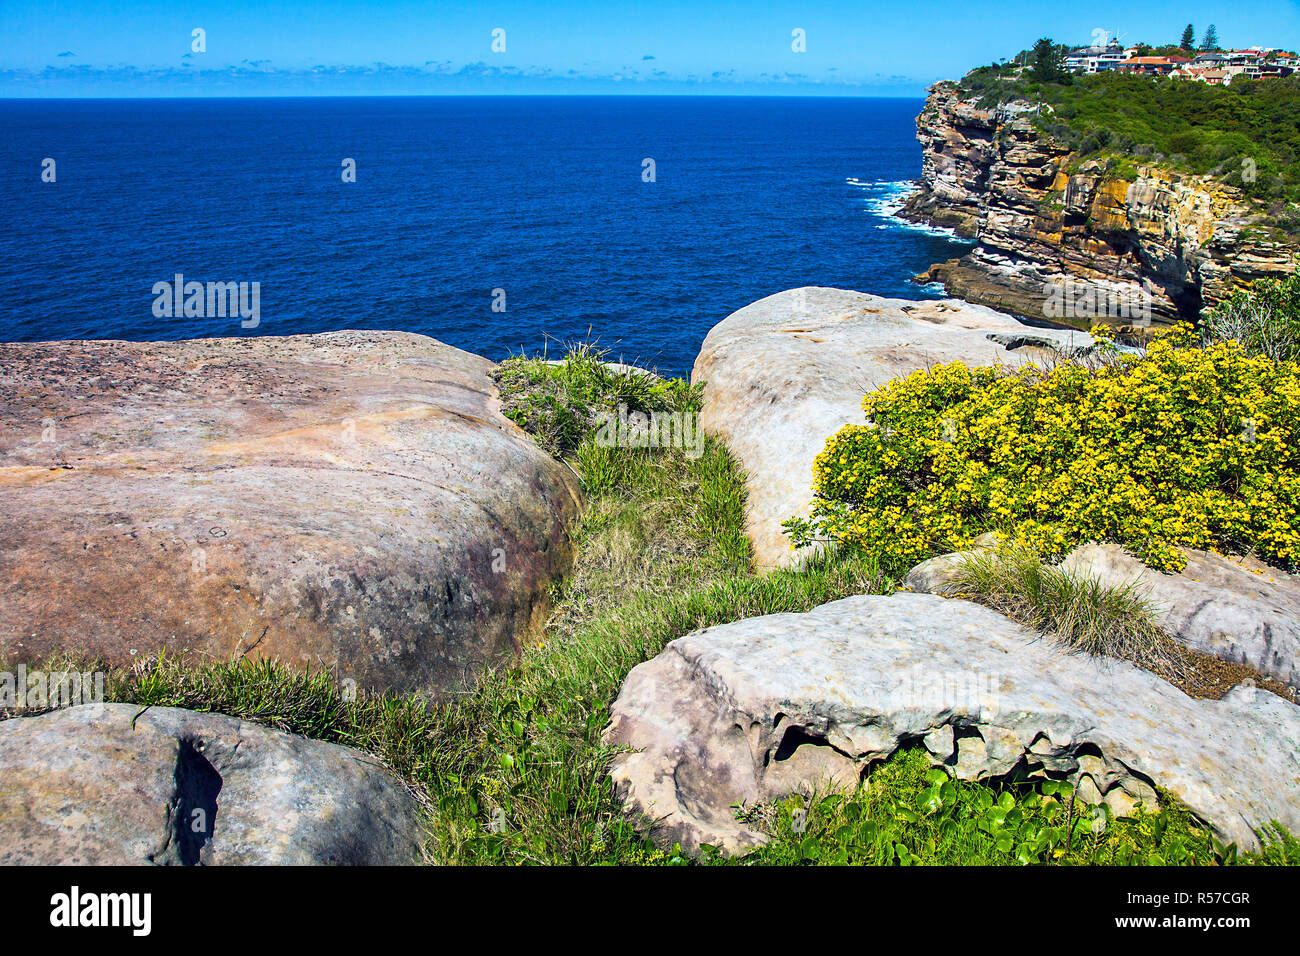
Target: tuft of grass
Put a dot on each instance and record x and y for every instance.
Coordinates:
(1078, 612)
(560, 402)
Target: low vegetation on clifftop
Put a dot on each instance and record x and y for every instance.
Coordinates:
(1244, 134)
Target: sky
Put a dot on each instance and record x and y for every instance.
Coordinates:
(350, 47)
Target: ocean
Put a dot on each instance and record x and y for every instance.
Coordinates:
(496, 224)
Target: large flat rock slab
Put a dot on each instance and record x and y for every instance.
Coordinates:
(759, 709)
(785, 373)
(352, 500)
(107, 785)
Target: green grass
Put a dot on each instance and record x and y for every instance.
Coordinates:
(1264, 319)
(559, 403)
(515, 773)
(1078, 612)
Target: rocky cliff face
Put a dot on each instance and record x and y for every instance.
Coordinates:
(1070, 240)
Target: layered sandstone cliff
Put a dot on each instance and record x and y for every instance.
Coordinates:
(1143, 238)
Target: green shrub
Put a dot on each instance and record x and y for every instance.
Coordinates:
(1264, 319)
(1182, 447)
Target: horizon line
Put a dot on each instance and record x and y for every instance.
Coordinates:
(467, 93)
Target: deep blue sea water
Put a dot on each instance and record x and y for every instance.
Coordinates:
(542, 197)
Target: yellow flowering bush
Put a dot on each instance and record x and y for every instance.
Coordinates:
(1193, 447)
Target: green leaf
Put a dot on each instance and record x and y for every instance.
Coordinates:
(810, 849)
(932, 800)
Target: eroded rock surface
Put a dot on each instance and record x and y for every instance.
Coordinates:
(761, 708)
(935, 574)
(107, 785)
(352, 500)
(785, 373)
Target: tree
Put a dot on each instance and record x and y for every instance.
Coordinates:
(1211, 39)
(1049, 61)
(1189, 38)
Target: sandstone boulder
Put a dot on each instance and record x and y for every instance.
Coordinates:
(107, 785)
(352, 500)
(935, 574)
(1235, 609)
(784, 374)
(761, 708)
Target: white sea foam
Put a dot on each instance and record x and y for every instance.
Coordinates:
(883, 199)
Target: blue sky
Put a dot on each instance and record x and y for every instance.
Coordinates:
(340, 47)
